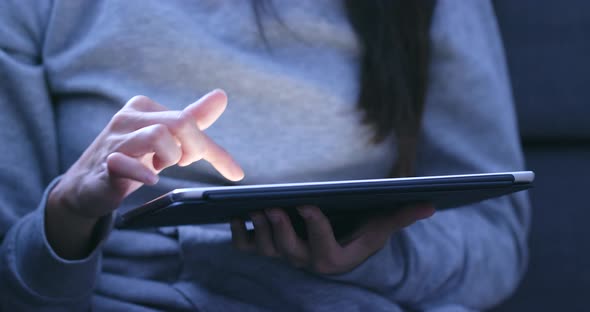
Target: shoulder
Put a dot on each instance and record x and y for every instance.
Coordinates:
(461, 24)
(469, 102)
(467, 50)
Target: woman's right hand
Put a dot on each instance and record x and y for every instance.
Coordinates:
(141, 140)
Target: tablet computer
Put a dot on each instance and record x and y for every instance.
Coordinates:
(337, 199)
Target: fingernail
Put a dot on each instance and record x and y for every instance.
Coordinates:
(216, 90)
(305, 211)
(183, 163)
(213, 92)
(152, 179)
(238, 174)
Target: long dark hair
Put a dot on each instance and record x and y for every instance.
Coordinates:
(394, 35)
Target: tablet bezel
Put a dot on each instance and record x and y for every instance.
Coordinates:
(222, 196)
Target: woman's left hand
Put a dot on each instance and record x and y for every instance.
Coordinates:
(274, 236)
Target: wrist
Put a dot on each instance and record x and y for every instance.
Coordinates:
(68, 233)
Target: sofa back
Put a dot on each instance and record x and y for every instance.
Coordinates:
(548, 50)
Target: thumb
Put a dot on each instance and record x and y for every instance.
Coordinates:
(207, 109)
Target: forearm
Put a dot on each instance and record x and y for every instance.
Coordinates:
(472, 256)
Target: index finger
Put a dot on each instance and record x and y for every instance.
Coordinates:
(320, 236)
(221, 160)
(208, 108)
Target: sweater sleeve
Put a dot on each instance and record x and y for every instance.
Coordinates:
(471, 256)
(32, 276)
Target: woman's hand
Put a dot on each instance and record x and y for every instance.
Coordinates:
(274, 236)
(141, 140)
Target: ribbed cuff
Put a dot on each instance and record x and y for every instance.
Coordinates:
(42, 270)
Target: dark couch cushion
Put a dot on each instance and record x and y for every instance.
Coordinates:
(558, 277)
(548, 49)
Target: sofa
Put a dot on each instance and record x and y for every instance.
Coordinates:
(548, 49)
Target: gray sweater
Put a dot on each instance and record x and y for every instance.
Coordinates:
(67, 66)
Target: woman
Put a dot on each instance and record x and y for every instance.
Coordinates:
(432, 96)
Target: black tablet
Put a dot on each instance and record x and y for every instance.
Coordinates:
(335, 198)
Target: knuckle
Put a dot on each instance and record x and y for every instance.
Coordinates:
(158, 132)
(138, 101)
(112, 157)
(119, 120)
(111, 162)
(179, 123)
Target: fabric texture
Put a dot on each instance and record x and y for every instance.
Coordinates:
(68, 66)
